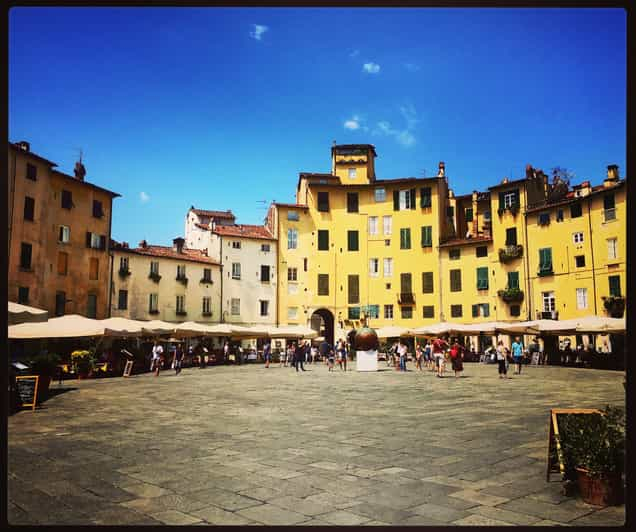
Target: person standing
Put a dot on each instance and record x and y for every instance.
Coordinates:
(343, 354)
(226, 352)
(418, 357)
(300, 356)
(324, 350)
(330, 358)
(456, 355)
(439, 346)
(178, 360)
(428, 355)
(314, 353)
(157, 351)
(517, 354)
(501, 360)
(403, 350)
(267, 353)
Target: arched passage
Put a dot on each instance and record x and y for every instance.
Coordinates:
(322, 322)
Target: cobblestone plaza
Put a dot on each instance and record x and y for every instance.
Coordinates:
(240, 445)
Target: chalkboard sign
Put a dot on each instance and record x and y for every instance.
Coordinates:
(128, 368)
(27, 387)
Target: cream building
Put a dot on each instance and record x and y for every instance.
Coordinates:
(174, 284)
(198, 224)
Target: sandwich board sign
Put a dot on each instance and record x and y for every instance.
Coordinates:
(27, 388)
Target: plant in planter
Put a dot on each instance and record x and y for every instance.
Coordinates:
(46, 366)
(615, 305)
(510, 295)
(83, 363)
(594, 452)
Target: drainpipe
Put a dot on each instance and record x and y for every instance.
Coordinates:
(221, 262)
(589, 220)
(526, 261)
(11, 202)
(110, 275)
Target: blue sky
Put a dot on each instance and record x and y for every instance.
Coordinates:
(222, 107)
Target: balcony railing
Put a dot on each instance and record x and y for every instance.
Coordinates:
(406, 298)
(510, 253)
(511, 295)
(154, 276)
(548, 315)
(614, 305)
(513, 209)
(206, 280)
(182, 279)
(609, 214)
(124, 272)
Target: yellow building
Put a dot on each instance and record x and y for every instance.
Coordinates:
(409, 252)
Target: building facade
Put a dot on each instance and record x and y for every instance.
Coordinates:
(59, 237)
(172, 284)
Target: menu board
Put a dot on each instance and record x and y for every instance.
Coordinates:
(128, 368)
(27, 388)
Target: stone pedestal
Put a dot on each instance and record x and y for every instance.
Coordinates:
(367, 360)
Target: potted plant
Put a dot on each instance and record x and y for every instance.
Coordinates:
(594, 452)
(83, 362)
(45, 365)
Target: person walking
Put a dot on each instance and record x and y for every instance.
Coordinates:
(157, 351)
(291, 355)
(517, 354)
(324, 350)
(178, 360)
(267, 353)
(330, 358)
(403, 351)
(457, 355)
(343, 354)
(300, 356)
(226, 352)
(418, 357)
(439, 346)
(501, 360)
(428, 355)
(314, 353)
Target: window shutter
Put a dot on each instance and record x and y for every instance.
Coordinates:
(482, 278)
(427, 282)
(354, 289)
(501, 201)
(396, 200)
(412, 198)
(102, 242)
(405, 283)
(427, 236)
(511, 236)
(88, 239)
(469, 215)
(61, 235)
(323, 240)
(608, 201)
(425, 197)
(614, 285)
(352, 240)
(475, 311)
(513, 280)
(486, 307)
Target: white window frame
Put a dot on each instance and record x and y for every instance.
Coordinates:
(387, 267)
(388, 312)
(66, 234)
(581, 298)
(154, 298)
(95, 241)
(236, 271)
(374, 267)
(207, 305)
(352, 173)
(180, 306)
(373, 225)
(612, 248)
(265, 248)
(509, 198)
(236, 244)
(235, 306)
(292, 274)
(379, 194)
(387, 225)
(549, 301)
(405, 200)
(260, 305)
(154, 267)
(292, 238)
(181, 270)
(292, 313)
(577, 237)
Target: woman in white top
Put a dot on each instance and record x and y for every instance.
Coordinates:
(501, 360)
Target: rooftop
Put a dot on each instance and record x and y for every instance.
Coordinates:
(571, 198)
(466, 241)
(167, 252)
(213, 214)
(346, 147)
(244, 231)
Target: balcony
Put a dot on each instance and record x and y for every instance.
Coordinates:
(406, 298)
(548, 315)
(181, 313)
(123, 272)
(206, 280)
(609, 214)
(154, 276)
(182, 279)
(510, 253)
(511, 295)
(614, 305)
(544, 272)
(512, 209)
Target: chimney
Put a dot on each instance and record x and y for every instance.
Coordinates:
(24, 145)
(504, 180)
(612, 175)
(177, 244)
(80, 170)
(124, 245)
(441, 169)
(143, 244)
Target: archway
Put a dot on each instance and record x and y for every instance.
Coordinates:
(322, 322)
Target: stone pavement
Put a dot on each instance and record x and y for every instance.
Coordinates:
(248, 445)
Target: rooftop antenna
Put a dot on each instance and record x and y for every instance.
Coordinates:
(423, 171)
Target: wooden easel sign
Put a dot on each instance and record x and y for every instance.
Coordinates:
(128, 368)
(27, 388)
(554, 438)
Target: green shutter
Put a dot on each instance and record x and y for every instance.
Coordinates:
(396, 200)
(425, 197)
(323, 284)
(427, 282)
(608, 201)
(614, 285)
(486, 307)
(513, 280)
(354, 289)
(412, 198)
(511, 236)
(501, 201)
(475, 311)
(405, 238)
(469, 215)
(427, 236)
(545, 260)
(482, 278)
(354, 313)
(323, 240)
(455, 280)
(352, 240)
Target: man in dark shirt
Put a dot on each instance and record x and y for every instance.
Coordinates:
(300, 355)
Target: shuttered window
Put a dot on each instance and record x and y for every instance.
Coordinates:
(482, 278)
(545, 260)
(29, 208)
(60, 303)
(427, 236)
(92, 306)
(511, 236)
(425, 197)
(67, 199)
(93, 269)
(123, 300)
(406, 286)
(352, 202)
(323, 240)
(26, 251)
(265, 276)
(405, 238)
(455, 280)
(353, 313)
(427, 282)
(576, 211)
(513, 280)
(354, 289)
(31, 172)
(481, 251)
(468, 216)
(98, 211)
(352, 241)
(323, 201)
(481, 310)
(608, 201)
(323, 284)
(614, 285)
(456, 311)
(428, 311)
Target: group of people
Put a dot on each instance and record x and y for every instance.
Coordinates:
(157, 360)
(432, 356)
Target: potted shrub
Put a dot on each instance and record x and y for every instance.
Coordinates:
(46, 366)
(83, 362)
(594, 452)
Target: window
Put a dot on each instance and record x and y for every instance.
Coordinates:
(67, 199)
(450, 211)
(323, 201)
(513, 280)
(559, 215)
(373, 225)
(265, 275)
(455, 280)
(352, 240)
(25, 256)
(510, 198)
(95, 241)
(373, 311)
(403, 199)
(98, 211)
(427, 236)
(154, 267)
(292, 274)
(576, 211)
(352, 202)
(153, 303)
(515, 310)
(427, 282)
(406, 285)
(577, 237)
(486, 216)
(93, 269)
(388, 267)
(293, 216)
(511, 236)
(123, 264)
(265, 248)
(264, 307)
(545, 261)
(581, 298)
(388, 312)
(380, 195)
(29, 208)
(91, 311)
(235, 306)
(468, 215)
(323, 240)
(292, 313)
(428, 311)
(454, 254)
(544, 218)
(236, 270)
(351, 173)
(31, 171)
(405, 238)
(305, 264)
(292, 238)
(580, 261)
(387, 242)
(549, 303)
(64, 235)
(23, 295)
(374, 267)
(388, 286)
(62, 263)
(387, 225)
(60, 303)
(482, 278)
(236, 244)
(323, 284)
(609, 207)
(614, 285)
(481, 310)
(207, 274)
(456, 311)
(612, 248)
(425, 197)
(180, 306)
(407, 312)
(481, 251)
(353, 313)
(206, 307)
(353, 285)
(122, 303)
(181, 271)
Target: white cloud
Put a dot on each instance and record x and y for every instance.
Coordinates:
(352, 123)
(371, 68)
(355, 53)
(144, 197)
(404, 136)
(257, 32)
(411, 67)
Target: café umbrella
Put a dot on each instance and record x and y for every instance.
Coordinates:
(25, 314)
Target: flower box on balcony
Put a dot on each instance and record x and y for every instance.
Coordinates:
(124, 272)
(511, 295)
(545, 273)
(205, 280)
(181, 313)
(155, 277)
(183, 280)
(513, 209)
(615, 305)
(510, 253)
